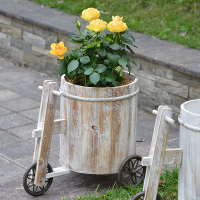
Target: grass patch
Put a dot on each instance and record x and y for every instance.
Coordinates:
(168, 189)
(174, 20)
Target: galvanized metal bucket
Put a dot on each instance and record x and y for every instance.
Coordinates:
(189, 171)
(101, 126)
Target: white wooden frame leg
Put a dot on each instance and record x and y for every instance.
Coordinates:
(39, 124)
(157, 152)
(45, 123)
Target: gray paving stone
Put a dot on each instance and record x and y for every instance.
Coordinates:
(17, 151)
(25, 163)
(34, 113)
(31, 90)
(18, 76)
(3, 160)
(23, 132)
(4, 111)
(55, 142)
(7, 94)
(70, 186)
(55, 151)
(21, 104)
(7, 138)
(31, 114)
(10, 172)
(13, 120)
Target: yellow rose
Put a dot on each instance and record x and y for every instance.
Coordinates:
(90, 14)
(117, 26)
(117, 18)
(97, 25)
(58, 50)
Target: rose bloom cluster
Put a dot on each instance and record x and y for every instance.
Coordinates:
(96, 25)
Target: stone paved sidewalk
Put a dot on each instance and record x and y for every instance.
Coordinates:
(19, 108)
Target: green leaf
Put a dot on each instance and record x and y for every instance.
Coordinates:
(100, 68)
(90, 51)
(114, 59)
(106, 43)
(106, 62)
(75, 54)
(122, 62)
(104, 81)
(127, 41)
(129, 48)
(85, 33)
(94, 78)
(115, 83)
(89, 71)
(129, 67)
(102, 52)
(110, 77)
(115, 46)
(126, 58)
(108, 32)
(85, 59)
(72, 65)
(62, 69)
(120, 70)
(77, 39)
(80, 71)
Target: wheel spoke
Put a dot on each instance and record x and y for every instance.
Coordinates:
(30, 178)
(42, 188)
(33, 188)
(135, 164)
(36, 189)
(31, 185)
(138, 176)
(125, 176)
(125, 168)
(130, 164)
(139, 167)
(133, 180)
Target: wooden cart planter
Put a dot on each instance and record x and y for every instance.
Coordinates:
(187, 156)
(98, 131)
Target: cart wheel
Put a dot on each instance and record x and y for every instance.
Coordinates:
(140, 196)
(28, 181)
(131, 172)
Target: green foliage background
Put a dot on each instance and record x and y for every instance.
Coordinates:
(174, 20)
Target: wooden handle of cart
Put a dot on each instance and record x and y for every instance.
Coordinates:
(45, 123)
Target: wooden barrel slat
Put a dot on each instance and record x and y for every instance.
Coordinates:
(99, 135)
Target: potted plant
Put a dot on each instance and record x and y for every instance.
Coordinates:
(99, 98)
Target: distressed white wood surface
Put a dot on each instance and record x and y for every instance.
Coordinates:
(59, 127)
(99, 135)
(157, 152)
(58, 172)
(46, 116)
(171, 157)
(189, 170)
(40, 119)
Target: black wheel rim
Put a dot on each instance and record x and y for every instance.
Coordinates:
(131, 172)
(140, 196)
(28, 181)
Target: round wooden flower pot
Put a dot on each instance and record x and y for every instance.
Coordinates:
(189, 170)
(101, 126)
